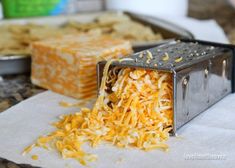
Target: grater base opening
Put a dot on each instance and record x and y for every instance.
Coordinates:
(142, 101)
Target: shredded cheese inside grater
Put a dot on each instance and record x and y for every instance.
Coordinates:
(134, 109)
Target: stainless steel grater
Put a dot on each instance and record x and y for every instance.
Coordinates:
(202, 74)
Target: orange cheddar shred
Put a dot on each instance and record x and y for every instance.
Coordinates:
(134, 109)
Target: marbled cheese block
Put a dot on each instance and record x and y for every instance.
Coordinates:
(67, 65)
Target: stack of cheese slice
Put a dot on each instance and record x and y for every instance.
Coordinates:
(67, 64)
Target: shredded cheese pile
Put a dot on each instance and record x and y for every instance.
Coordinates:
(134, 109)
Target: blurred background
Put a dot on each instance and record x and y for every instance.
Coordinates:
(223, 11)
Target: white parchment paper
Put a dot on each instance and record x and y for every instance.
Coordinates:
(207, 141)
(208, 30)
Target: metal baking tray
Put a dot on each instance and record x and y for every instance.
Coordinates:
(168, 30)
(14, 64)
(20, 63)
(204, 75)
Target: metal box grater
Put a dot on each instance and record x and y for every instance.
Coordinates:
(202, 74)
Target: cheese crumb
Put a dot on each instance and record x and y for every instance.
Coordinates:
(34, 157)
